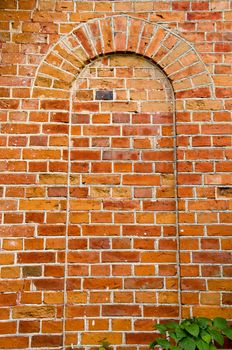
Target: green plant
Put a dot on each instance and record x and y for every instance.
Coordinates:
(104, 344)
(195, 333)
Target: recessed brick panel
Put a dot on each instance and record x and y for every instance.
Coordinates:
(123, 173)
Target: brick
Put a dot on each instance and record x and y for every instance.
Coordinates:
(135, 27)
(85, 155)
(116, 205)
(119, 106)
(36, 257)
(102, 283)
(46, 340)
(95, 337)
(204, 311)
(121, 310)
(204, 16)
(16, 231)
(8, 299)
(32, 271)
(163, 311)
(141, 230)
(120, 155)
(120, 256)
(52, 284)
(18, 342)
(29, 327)
(219, 230)
(37, 204)
(107, 35)
(96, 230)
(33, 311)
(155, 42)
(142, 180)
(193, 284)
(55, 105)
(158, 257)
(145, 283)
(208, 257)
(104, 95)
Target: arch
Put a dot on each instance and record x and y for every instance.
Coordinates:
(122, 33)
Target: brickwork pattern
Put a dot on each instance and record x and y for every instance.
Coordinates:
(88, 148)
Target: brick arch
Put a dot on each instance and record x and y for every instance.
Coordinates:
(122, 33)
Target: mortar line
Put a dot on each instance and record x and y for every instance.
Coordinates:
(67, 222)
(177, 209)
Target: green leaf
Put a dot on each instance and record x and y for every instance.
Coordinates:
(185, 323)
(164, 343)
(201, 345)
(172, 325)
(203, 322)
(217, 336)
(180, 334)
(193, 329)
(187, 344)
(220, 323)
(175, 348)
(153, 344)
(228, 332)
(161, 328)
(212, 347)
(205, 336)
(172, 334)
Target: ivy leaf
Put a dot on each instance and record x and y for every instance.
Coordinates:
(172, 325)
(217, 336)
(201, 345)
(203, 322)
(172, 334)
(185, 323)
(180, 334)
(193, 329)
(212, 347)
(228, 333)
(164, 343)
(220, 323)
(205, 336)
(153, 344)
(187, 344)
(161, 328)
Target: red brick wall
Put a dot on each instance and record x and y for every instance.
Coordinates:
(115, 170)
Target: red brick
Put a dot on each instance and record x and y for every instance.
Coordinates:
(204, 16)
(29, 327)
(121, 310)
(43, 257)
(193, 284)
(18, 342)
(46, 340)
(163, 311)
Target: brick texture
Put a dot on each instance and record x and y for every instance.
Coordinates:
(115, 161)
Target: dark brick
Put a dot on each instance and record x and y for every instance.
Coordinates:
(225, 192)
(104, 95)
(32, 271)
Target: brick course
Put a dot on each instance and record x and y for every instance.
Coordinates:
(115, 155)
